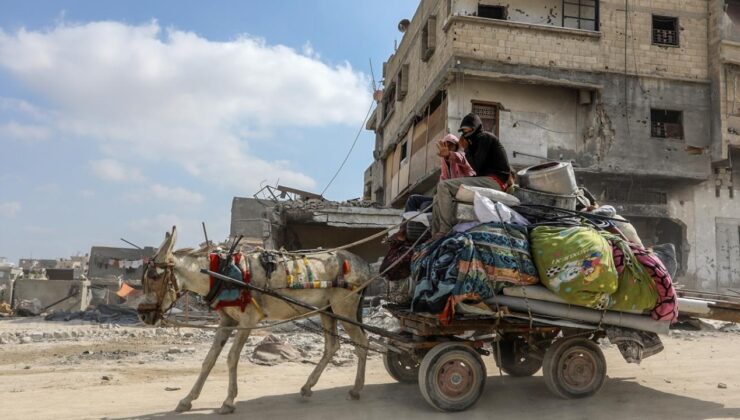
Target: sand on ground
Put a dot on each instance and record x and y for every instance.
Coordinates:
(64, 379)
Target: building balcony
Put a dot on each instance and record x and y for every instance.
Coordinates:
(524, 43)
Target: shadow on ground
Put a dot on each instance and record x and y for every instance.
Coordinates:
(504, 397)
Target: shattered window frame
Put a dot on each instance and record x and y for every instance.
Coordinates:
(491, 11)
(666, 124)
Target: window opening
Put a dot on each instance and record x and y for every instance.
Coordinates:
(492, 12)
(404, 151)
(581, 14)
(665, 30)
(428, 38)
(389, 101)
(666, 124)
(488, 113)
(402, 82)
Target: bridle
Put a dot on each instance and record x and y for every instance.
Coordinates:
(161, 285)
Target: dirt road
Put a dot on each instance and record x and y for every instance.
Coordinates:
(124, 373)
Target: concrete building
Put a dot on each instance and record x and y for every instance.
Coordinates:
(309, 224)
(640, 95)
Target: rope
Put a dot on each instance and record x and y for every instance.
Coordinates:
(363, 286)
(356, 243)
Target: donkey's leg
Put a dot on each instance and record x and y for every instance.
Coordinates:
(331, 345)
(233, 361)
(360, 341)
(220, 339)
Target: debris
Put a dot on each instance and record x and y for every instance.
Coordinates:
(5, 308)
(173, 350)
(106, 378)
(30, 307)
(272, 350)
(27, 367)
(721, 385)
(25, 339)
(103, 314)
(668, 381)
(730, 327)
(172, 388)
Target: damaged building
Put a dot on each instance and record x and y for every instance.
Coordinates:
(639, 95)
(309, 221)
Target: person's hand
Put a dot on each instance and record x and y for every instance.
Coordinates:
(464, 143)
(443, 150)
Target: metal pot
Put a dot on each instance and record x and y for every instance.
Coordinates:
(551, 177)
(527, 196)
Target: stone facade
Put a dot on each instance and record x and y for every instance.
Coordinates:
(648, 113)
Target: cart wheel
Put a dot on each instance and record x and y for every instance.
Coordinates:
(574, 368)
(515, 362)
(402, 367)
(452, 377)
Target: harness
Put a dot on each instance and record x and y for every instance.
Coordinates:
(163, 283)
(223, 294)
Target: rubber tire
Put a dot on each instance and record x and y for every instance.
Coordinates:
(553, 360)
(509, 364)
(440, 355)
(401, 367)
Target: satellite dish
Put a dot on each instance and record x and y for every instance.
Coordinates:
(403, 25)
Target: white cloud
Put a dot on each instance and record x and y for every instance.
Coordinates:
(173, 96)
(24, 132)
(10, 208)
(113, 170)
(176, 194)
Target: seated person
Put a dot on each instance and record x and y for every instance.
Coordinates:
(454, 164)
(489, 161)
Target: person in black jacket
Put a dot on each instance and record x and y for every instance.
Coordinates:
(489, 160)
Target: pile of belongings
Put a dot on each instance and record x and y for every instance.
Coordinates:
(590, 258)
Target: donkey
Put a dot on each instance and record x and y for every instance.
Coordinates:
(171, 273)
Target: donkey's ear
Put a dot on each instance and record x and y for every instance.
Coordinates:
(166, 247)
(173, 240)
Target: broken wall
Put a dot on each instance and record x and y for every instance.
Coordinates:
(50, 292)
(533, 119)
(632, 149)
(712, 225)
(540, 12)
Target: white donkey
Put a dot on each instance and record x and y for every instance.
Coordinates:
(171, 273)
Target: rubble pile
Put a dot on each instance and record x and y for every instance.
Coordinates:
(315, 204)
(103, 313)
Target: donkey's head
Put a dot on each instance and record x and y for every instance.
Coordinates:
(161, 289)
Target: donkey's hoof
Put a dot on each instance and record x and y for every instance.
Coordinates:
(306, 392)
(184, 406)
(354, 395)
(226, 409)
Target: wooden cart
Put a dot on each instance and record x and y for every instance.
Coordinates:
(446, 360)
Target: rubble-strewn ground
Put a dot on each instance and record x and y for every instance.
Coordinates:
(60, 370)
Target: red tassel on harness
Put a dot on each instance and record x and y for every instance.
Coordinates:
(345, 267)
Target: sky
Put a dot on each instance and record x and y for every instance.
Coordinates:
(122, 119)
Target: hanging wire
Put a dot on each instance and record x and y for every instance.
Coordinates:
(349, 152)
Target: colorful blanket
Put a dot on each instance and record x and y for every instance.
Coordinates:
(666, 308)
(576, 263)
(471, 265)
(636, 290)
